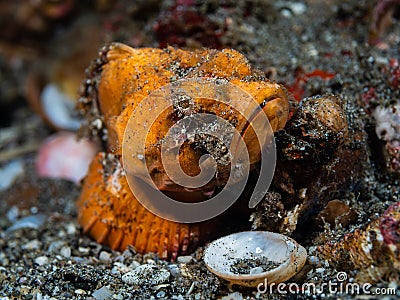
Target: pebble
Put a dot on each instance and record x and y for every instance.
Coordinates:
(32, 245)
(313, 260)
(233, 296)
(146, 274)
(184, 259)
(105, 257)
(13, 213)
(256, 270)
(83, 250)
(102, 293)
(127, 253)
(191, 288)
(134, 277)
(151, 261)
(97, 123)
(292, 9)
(80, 292)
(81, 260)
(160, 294)
(115, 271)
(3, 260)
(66, 252)
(393, 284)
(55, 246)
(174, 270)
(134, 265)
(119, 258)
(22, 280)
(71, 229)
(161, 286)
(41, 260)
(119, 268)
(297, 8)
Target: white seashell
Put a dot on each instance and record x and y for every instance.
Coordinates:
(59, 108)
(9, 173)
(63, 156)
(236, 256)
(33, 221)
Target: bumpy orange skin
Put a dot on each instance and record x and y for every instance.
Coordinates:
(108, 211)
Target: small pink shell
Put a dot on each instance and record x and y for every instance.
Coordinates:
(63, 156)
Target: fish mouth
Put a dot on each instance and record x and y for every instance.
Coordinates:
(178, 192)
(163, 183)
(171, 187)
